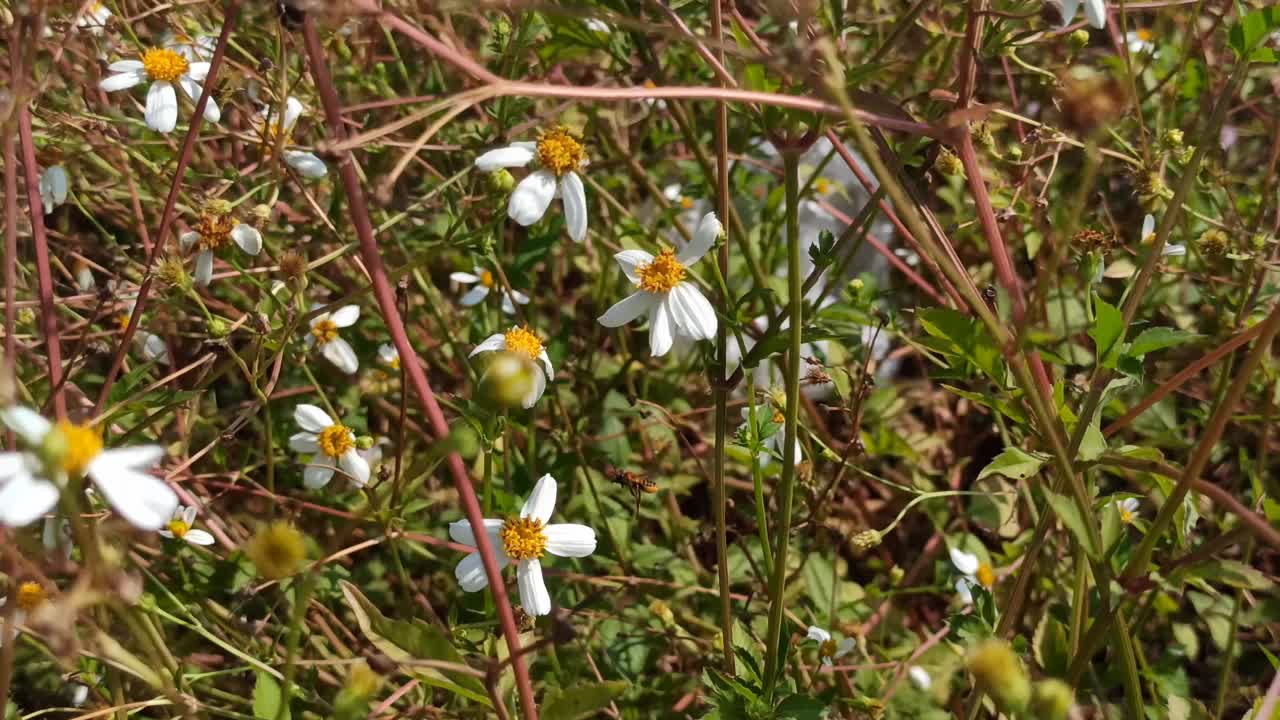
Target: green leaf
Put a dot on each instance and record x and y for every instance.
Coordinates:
(1107, 331)
(800, 707)
(964, 338)
(1159, 338)
(268, 701)
(1052, 650)
(1015, 463)
(1066, 510)
(581, 700)
(1233, 573)
(1249, 32)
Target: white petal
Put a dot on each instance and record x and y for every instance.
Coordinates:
(346, 316)
(920, 677)
(817, 634)
(248, 238)
(493, 343)
(387, 353)
(629, 308)
(1096, 12)
(962, 591)
(570, 540)
(534, 597)
(845, 647)
(355, 466)
(575, 205)
(1069, 8)
(826, 661)
(24, 499)
(507, 157)
(198, 70)
(193, 90)
(126, 66)
(965, 563)
(162, 107)
(1129, 504)
(531, 197)
(187, 514)
(144, 501)
(339, 352)
(470, 571)
(660, 335)
(27, 423)
(12, 464)
(542, 501)
(311, 418)
(198, 537)
(464, 277)
(546, 364)
(704, 239)
(535, 391)
(307, 164)
(122, 81)
(54, 182)
(139, 457)
(1148, 227)
(204, 269)
(693, 314)
(304, 442)
(293, 110)
(460, 531)
(187, 239)
(1174, 250)
(630, 260)
(317, 476)
(474, 296)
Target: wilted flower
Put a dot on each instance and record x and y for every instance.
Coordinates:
(1127, 509)
(213, 232)
(95, 18)
(559, 156)
(1094, 10)
(774, 441)
(828, 649)
(1140, 41)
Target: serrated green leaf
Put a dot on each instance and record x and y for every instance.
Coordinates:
(1015, 463)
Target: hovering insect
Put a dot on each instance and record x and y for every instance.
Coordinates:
(635, 483)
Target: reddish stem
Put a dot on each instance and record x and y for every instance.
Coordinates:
(48, 316)
(385, 298)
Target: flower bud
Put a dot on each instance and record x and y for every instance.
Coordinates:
(1173, 137)
(1079, 39)
(865, 540)
(948, 164)
(508, 380)
(26, 316)
(364, 442)
(218, 207)
(501, 181)
(1014, 152)
(1214, 243)
(662, 611)
(352, 701)
(277, 550)
(998, 671)
(218, 328)
(1051, 700)
(172, 273)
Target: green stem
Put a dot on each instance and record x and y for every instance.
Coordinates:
(757, 480)
(301, 596)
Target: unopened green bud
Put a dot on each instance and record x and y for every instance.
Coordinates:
(1173, 137)
(352, 701)
(261, 213)
(662, 611)
(218, 328)
(364, 442)
(1259, 241)
(982, 135)
(173, 273)
(865, 540)
(1051, 700)
(948, 164)
(856, 284)
(217, 207)
(501, 181)
(1079, 39)
(508, 380)
(1183, 154)
(998, 671)
(1014, 152)
(26, 316)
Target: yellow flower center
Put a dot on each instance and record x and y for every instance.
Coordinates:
(664, 273)
(1126, 517)
(828, 648)
(215, 231)
(523, 538)
(649, 83)
(686, 202)
(164, 64)
(80, 445)
(559, 152)
(335, 440)
(986, 576)
(178, 528)
(822, 186)
(778, 417)
(395, 362)
(523, 342)
(1144, 35)
(31, 595)
(486, 279)
(122, 320)
(324, 331)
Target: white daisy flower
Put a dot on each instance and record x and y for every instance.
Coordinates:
(95, 19)
(389, 356)
(212, 233)
(163, 67)
(119, 474)
(1148, 237)
(272, 127)
(29, 597)
(559, 157)
(673, 305)
(1140, 41)
(828, 649)
(524, 540)
(1128, 509)
(521, 341)
(1094, 10)
(773, 443)
(181, 527)
(920, 677)
(974, 573)
(324, 333)
(484, 282)
(333, 444)
(53, 187)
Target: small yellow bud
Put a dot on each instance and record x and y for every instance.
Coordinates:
(218, 207)
(865, 540)
(1079, 39)
(1214, 243)
(998, 671)
(501, 181)
(364, 442)
(1051, 700)
(856, 284)
(277, 550)
(1173, 137)
(948, 164)
(662, 611)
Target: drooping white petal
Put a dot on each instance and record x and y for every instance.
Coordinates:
(311, 418)
(704, 238)
(25, 499)
(530, 199)
(575, 205)
(660, 332)
(318, 474)
(144, 501)
(493, 343)
(474, 296)
(630, 260)
(965, 563)
(1069, 8)
(187, 239)
(570, 540)
(920, 677)
(307, 164)
(346, 316)
(187, 514)
(542, 501)
(53, 187)
(845, 647)
(343, 357)
(546, 364)
(460, 531)
(1096, 12)
(248, 238)
(30, 425)
(629, 308)
(139, 457)
(293, 110)
(534, 597)
(693, 314)
(122, 81)
(162, 107)
(963, 592)
(817, 634)
(355, 466)
(505, 157)
(304, 442)
(470, 571)
(204, 269)
(1174, 250)
(193, 90)
(1129, 504)
(534, 394)
(198, 537)
(387, 354)
(464, 277)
